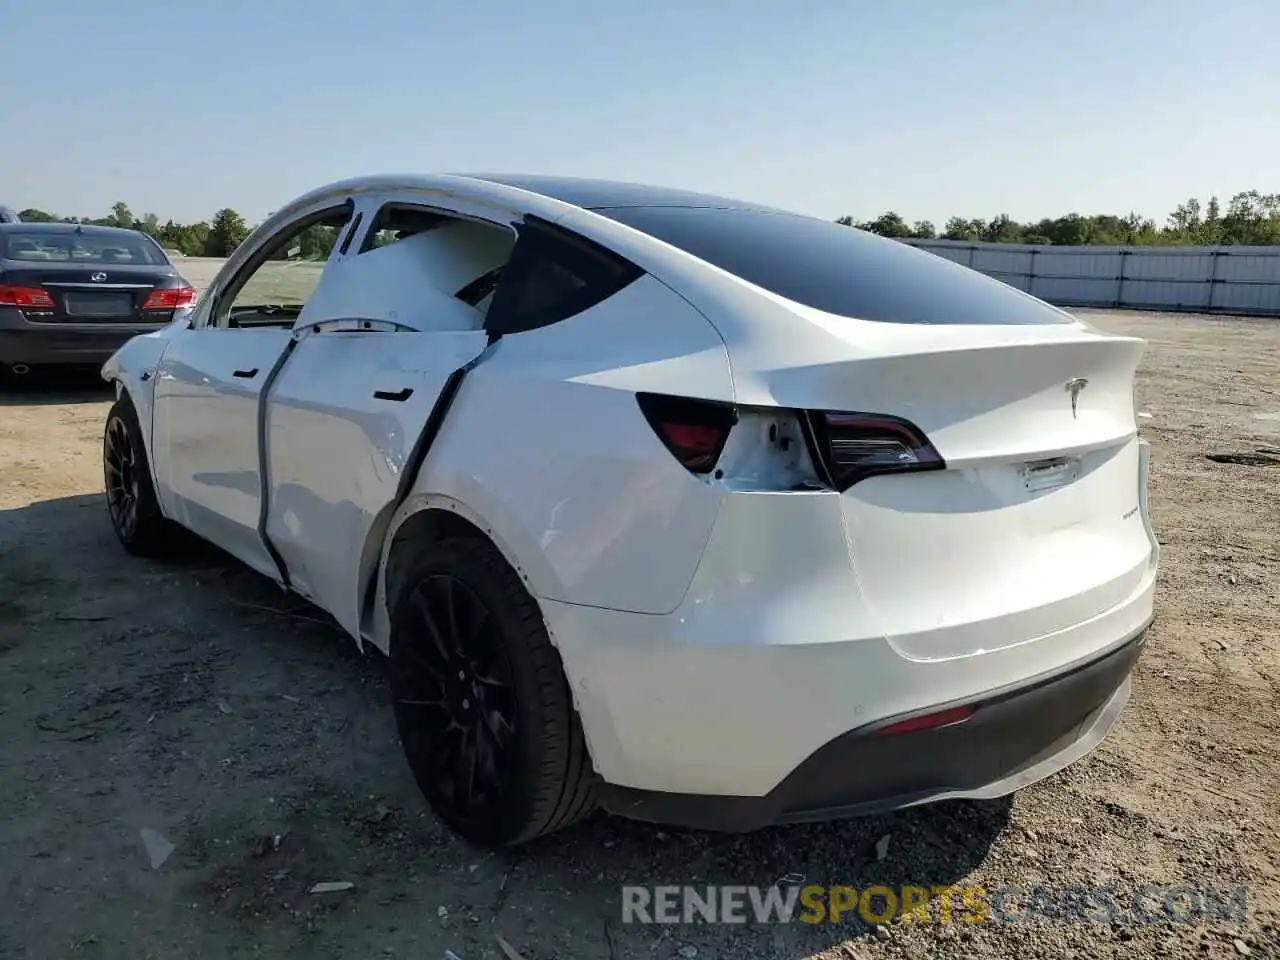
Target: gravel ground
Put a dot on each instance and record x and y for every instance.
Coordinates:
(256, 748)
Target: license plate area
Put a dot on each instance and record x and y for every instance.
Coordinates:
(1040, 475)
(98, 306)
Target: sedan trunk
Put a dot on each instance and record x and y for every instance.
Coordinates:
(92, 293)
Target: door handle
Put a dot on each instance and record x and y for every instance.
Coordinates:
(398, 395)
(245, 374)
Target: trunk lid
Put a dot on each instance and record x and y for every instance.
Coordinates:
(92, 292)
(1037, 522)
(989, 401)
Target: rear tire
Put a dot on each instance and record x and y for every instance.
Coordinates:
(482, 705)
(131, 498)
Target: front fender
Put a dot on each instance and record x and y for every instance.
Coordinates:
(132, 369)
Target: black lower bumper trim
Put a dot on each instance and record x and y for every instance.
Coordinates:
(1014, 738)
(40, 345)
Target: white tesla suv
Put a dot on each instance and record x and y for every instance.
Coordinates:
(700, 511)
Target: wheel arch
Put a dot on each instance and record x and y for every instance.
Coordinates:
(131, 372)
(140, 400)
(431, 517)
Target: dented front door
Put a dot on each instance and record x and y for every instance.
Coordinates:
(342, 420)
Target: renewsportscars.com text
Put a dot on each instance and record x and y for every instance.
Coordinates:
(937, 904)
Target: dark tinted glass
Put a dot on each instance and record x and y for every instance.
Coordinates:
(835, 268)
(552, 275)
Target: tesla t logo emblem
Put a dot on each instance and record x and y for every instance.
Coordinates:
(98, 277)
(1074, 386)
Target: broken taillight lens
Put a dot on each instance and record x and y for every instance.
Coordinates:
(854, 446)
(695, 431)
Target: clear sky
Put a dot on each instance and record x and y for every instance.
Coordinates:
(929, 107)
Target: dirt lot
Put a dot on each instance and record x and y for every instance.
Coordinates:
(199, 702)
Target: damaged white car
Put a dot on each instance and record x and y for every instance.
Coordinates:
(700, 511)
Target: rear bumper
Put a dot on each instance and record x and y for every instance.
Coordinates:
(62, 343)
(1014, 738)
(778, 660)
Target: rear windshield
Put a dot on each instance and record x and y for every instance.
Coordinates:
(835, 268)
(43, 247)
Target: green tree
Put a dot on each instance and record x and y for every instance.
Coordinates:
(227, 232)
(1002, 229)
(1252, 218)
(923, 230)
(121, 216)
(317, 242)
(958, 228)
(888, 224)
(193, 238)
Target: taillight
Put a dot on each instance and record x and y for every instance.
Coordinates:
(31, 297)
(170, 299)
(854, 446)
(694, 431)
(930, 721)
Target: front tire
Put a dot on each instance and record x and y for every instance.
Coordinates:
(482, 705)
(131, 498)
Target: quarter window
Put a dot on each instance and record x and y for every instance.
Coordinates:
(554, 274)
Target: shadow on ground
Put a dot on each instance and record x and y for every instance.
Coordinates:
(42, 387)
(196, 700)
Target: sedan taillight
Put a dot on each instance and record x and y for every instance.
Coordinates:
(32, 297)
(170, 299)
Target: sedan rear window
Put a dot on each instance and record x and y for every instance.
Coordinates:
(43, 247)
(835, 268)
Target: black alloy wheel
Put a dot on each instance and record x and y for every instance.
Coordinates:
(131, 499)
(121, 478)
(482, 704)
(457, 699)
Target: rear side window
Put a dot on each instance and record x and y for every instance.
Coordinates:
(552, 275)
(835, 268)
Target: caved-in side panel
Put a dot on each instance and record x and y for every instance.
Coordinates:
(415, 279)
(342, 421)
(546, 443)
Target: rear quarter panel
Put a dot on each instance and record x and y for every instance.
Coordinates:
(546, 448)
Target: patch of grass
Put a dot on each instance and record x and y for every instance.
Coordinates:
(281, 282)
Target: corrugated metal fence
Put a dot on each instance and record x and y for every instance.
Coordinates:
(1240, 280)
